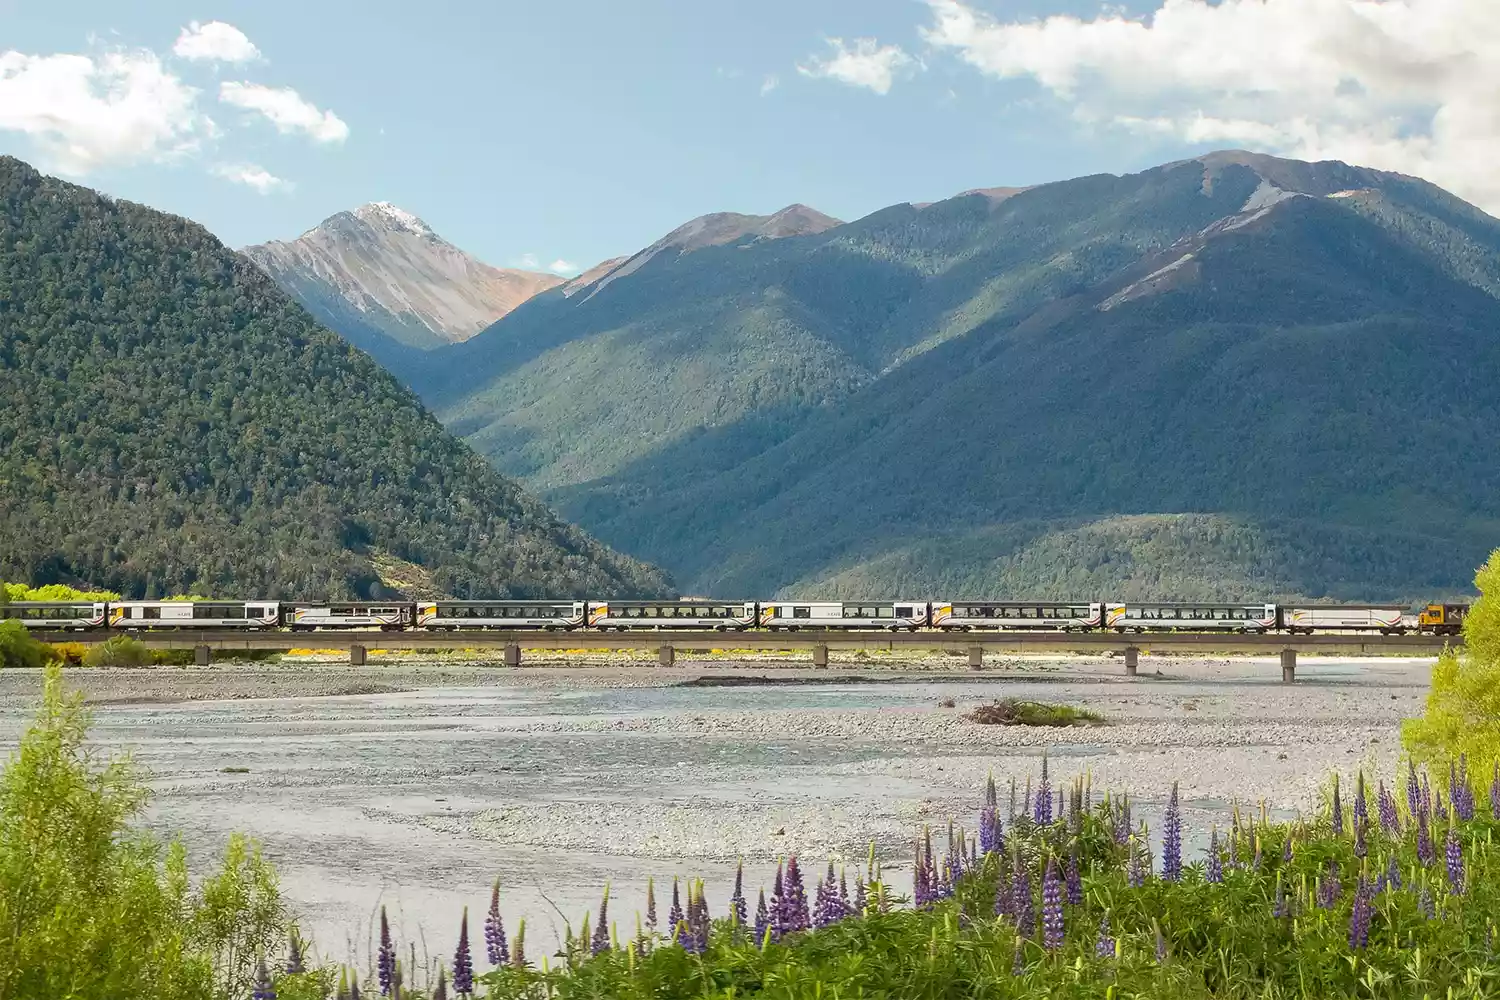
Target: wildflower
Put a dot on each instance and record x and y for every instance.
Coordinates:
(1454, 856)
(1495, 792)
(1074, 879)
(294, 959)
(1390, 820)
(600, 942)
(1413, 790)
(1018, 964)
(1393, 874)
(697, 923)
(1105, 946)
(386, 958)
(463, 961)
(1136, 874)
(737, 909)
(1052, 915)
(1463, 791)
(651, 904)
(1361, 815)
(825, 906)
(1020, 899)
(1255, 861)
(1214, 870)
(1330, 887)
(1281, 908)
(494, 930)
(762, 918)
(844, 894)
(990, 798)
(794, 901)
(921, 881)
(1424, 903)
(1359, 917)
(1121, 811)
(263, 988)
(1042, 815)
(1286, 849)
(861, 895)
(1171, 848)
(1425, 851)
(1336, 819)
(1161, 946)
(1004, 893)
(675, 927)
(441, 992)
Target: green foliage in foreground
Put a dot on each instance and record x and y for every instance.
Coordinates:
(1463, 707)
(1015, 712)
(118, 651)
(92, 908)
(54, 592)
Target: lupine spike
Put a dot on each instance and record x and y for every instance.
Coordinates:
(1454, 856)
(737, 908)
(386, 958)
(599, 943)
(1105, 946)
(263, 988)
(518, 953)
(1074, 879)
(1020, 899)
(295, 963)
(1214, 872)
(1425, 851)
(651, 904)
(794, 901)
(762, 918)
(463, 960)
(1336, 818)
(1042, 814)
(1359, 917)
(1495, 792)
(441, 992)
(1171, 850)
(496, 949)
(675, 915)
(1052, 907)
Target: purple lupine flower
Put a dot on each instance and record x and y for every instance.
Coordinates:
(737, 908)
(1495, 792)
(1020, 899)
(385, 961)
(1171, 848)
(1136, 873)
(1281, 908)
(441, 992)
(1042, 814)
(823, 906)
(599, 944)
(1120, 809)
(844, 905)
(794, 899)
(1454, 855)
(1463, 792)
(518, 951)
(1425, 851)
(675, 916)
(1004, 896)
(762, 919)
(1018, 964)
(1359, 917)
(1413, 790)
(1052, 901)
(1286, 849)
(696, 924)
(463, 959)
(861, 895)
(1161, 947)
(1390, 819)
(1424, 903)
(1105, 946)
(1393, 874)
(988, 824)
(1012, 809)
(651, 903)
(1074, 878)
(990, 798)
(294, 959)
(1336, 817)
(263, 988)
(1214, 871)
(1361, 807)
(1330, 887)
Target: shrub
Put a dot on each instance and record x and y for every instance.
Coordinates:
(1014, 712)
(19, 649)
(1463, 705)
(54, 592)
(118, 651)
(70, 653)
(94, 909)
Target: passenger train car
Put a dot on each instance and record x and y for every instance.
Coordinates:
(726, 616)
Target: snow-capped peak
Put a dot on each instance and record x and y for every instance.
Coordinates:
(385, 212)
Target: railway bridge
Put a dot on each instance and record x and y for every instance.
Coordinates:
(667, 643)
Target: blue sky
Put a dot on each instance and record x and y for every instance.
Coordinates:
(573, 132)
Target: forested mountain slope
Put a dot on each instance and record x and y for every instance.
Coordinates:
(1231, 375)
(172, 421)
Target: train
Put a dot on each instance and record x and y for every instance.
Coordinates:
(1443, 618)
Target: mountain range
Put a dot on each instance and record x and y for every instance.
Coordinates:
(1233, 375)
(173, 421)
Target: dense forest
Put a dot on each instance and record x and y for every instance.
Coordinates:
(171, 421)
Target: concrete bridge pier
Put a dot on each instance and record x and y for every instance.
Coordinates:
(976, 657)
(1288, 666)
(512, 655)
(356, 656)
(666, 656)
(202, 655)
(1132, 661)
(820, 656)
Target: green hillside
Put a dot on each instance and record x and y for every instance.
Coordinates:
(171, 421)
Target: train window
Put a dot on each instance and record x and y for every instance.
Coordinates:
(903, 611)
(802, 612)
(151, 613)
(886, 612)
(703, 612)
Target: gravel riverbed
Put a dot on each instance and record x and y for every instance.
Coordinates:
(417, 784)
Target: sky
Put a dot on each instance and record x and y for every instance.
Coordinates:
(557, 135)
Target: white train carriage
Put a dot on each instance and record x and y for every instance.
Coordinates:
(546, 615)
(1389, 619)
(1049, 616)
(1134, 616)
(892, 615)
(717, 616)
(56, 614)
(194, 614)
(347, 614)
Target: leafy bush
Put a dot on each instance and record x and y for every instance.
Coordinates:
(1463, 706)
(1014, 712)
(70, 654)
(119, 651)
(19, 649)
(55, 592)
(94, 909)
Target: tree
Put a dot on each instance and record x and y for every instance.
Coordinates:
(1463, 706)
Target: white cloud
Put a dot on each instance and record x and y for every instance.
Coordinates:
(529, 261)
(1404, 85)
(214, 42)
(562, 267)
(286, 109)
(250, 175)
(87, 112)
(867, 64)
(770, 83)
